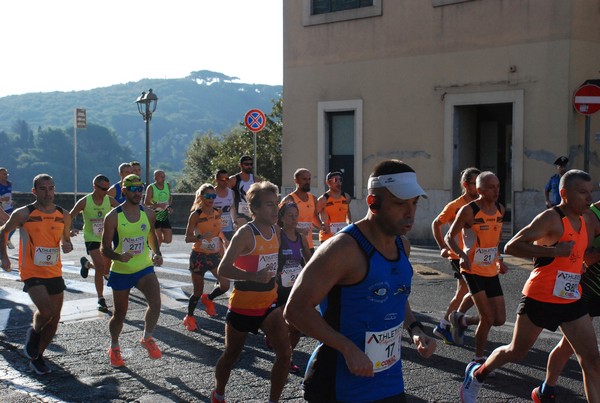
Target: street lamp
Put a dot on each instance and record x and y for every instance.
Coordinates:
(146, 104)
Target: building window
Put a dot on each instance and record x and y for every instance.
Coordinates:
(331, 6)
(327, 11)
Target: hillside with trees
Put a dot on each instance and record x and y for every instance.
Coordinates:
(36, 130)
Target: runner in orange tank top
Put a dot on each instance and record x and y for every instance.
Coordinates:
(40, 264)
(461, 302)
(480, 223)
(307, 206)
(556, 239)
(333, 207)
(251, 260)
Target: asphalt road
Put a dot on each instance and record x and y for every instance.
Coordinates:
(81, 370)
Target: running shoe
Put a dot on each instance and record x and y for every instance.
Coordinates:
(444, 334)
(152, 348)
(116, 360)
(492, 374)
(102, 305)
(213, 398)
(32, 344)
(458, 330)
(470, 387)
(84, 269)
(538, 397)
(294, 369)
(190, 323)
(209, 306)
(39, 366)
(10, 245)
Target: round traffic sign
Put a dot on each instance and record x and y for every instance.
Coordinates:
(586, 99)
(255, 120)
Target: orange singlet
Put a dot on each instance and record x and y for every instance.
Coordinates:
(306, 213)
(337, 210)
(249, 297)
(481, 241)
(39, 252)
(556, 280)
(209, 227)
(447, 216)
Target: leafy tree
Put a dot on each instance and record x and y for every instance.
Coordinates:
(207, 153)
(24, 134)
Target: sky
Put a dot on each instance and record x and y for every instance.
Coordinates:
(73, 45)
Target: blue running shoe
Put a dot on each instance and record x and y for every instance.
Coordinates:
(470, 387)
(443, 334)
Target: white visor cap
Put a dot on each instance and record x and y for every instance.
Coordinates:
(402, 185)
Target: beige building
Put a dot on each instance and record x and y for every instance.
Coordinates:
(441, 85)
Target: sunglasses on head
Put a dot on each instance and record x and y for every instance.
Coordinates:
(210, 196)
(101, 188)
(135, 188)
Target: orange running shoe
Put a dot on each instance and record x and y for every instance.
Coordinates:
(115, 357)
(190, 323)
(209, 306)
(152, 348)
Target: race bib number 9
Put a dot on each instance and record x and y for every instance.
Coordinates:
(383, 348)
(567, 285)
(268, 262)
(135, 246)
(45, 256)
(485, 256)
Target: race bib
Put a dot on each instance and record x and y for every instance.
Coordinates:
(485, 256)
(135, 246)
(566, 285)
(226, 221)
(244, 209)
(289, 274)
(210, 245)
(45, 256)
(97, 227)
(335, 227)
(383, 348)
(304, 227)
(268, 262)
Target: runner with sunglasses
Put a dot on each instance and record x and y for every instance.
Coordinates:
(94, 207)
(132, 228)
(204, 231)
(333, 207)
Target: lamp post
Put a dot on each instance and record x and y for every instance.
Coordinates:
(146, 104)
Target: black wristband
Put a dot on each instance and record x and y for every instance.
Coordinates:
(416, 323)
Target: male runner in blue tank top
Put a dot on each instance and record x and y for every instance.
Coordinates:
(362, 280)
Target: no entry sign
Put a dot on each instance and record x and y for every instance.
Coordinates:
(255, 120)
(587, 99)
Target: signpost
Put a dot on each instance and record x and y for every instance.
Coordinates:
(255, 120)
(80, 122)
(586, 101)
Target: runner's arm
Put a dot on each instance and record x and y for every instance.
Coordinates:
(336, 263)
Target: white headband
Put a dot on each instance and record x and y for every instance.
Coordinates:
(402, 185)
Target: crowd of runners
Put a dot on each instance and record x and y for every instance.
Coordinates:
(351, 293)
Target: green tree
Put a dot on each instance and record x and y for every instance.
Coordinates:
(208, 153)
